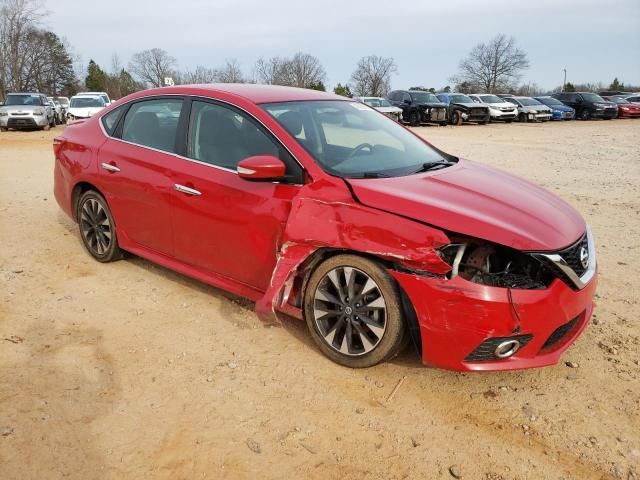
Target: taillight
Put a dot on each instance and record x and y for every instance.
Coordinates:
(57, 145)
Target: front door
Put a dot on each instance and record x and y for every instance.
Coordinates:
(222, 223)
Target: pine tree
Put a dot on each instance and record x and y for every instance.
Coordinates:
(96, 78)
(343, 90)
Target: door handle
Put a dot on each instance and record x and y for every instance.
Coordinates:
(187, 190)
(109, 167)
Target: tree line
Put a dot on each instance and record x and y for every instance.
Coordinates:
(33, 58)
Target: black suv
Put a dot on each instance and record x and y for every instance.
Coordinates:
(463, 109)
(419, 107)
(588, 105)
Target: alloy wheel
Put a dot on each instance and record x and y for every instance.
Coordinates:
(96, 227)
(350, 311)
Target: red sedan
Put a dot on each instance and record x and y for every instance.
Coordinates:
(321, 208)
(626, 109)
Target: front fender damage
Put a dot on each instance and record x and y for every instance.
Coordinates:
(315, 224)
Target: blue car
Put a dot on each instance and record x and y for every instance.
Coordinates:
(559, 111)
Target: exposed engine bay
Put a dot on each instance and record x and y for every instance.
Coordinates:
(486, 263)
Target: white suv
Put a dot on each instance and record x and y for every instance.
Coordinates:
(26, 110)
(499, 109)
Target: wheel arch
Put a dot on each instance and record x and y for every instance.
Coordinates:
(307, 267)
(78, 189)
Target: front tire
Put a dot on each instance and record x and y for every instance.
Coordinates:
(97, 228)
(414, 119)
(353, 311)
(522, 118)
(456, 118)
(585, 115)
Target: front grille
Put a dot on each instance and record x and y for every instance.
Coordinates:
(477, 111)
(484, 351)
(559, 333)
(438, 114)
(21, 122)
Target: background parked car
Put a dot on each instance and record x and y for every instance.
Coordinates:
(559, 110)
(530, 110)
(463, 109)
(499, 109)
(58, 111)
(419, 107)
(383, 106)
(626, 109)
(633, 98)
(26, 110)
(84, 106)
(588, 105)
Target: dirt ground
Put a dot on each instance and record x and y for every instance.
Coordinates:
(131, 371)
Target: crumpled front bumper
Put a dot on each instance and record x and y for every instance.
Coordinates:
(456, 316)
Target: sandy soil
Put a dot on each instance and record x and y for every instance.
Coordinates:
(130, 371)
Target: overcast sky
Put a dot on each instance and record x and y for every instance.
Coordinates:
(594, 40)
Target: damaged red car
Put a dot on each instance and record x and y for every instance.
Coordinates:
(321, 208)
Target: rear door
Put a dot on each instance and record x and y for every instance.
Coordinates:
(135, 162)
(224, 224)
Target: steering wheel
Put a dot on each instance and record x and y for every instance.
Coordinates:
(362, 146)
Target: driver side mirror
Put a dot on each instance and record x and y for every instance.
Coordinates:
(261, 167)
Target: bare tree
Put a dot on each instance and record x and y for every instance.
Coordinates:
(304, 70)
(152, 66)
(17, 19)
(372, 77)
(272, 71)
(230, 73)
(493, 67)
(199, 75)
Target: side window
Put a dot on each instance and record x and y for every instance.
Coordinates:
(223, 136)
(394, 96)
(153, 123)
(110, 120)
(406, 97)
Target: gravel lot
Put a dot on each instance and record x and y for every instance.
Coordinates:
(130, 371)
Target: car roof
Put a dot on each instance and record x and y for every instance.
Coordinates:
(248, 91)
(25, 93)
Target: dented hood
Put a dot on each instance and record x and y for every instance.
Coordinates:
(478, 201)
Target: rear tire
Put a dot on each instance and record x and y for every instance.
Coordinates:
(97, 228)
(360, 331)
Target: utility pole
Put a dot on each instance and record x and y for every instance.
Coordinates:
(565, 78)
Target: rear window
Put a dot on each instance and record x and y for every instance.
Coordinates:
(110, 120)
(153, 123)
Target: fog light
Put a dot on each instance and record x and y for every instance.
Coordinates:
(507, 348)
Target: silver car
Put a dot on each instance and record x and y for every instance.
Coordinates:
(26, 110)
(530, 109)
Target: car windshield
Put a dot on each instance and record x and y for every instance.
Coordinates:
(22, 100)
(377, 102)
(550, 101)
(592, 97)
(62, 101)
(424, 97)
(491, 99)
(348, 139)
(87, 102)
(528, 102)
(617, 100)
(460, 99)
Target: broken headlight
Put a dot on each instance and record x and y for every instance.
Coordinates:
(494, 265)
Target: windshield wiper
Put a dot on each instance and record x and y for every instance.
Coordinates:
(427, 167)
(372, 175)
